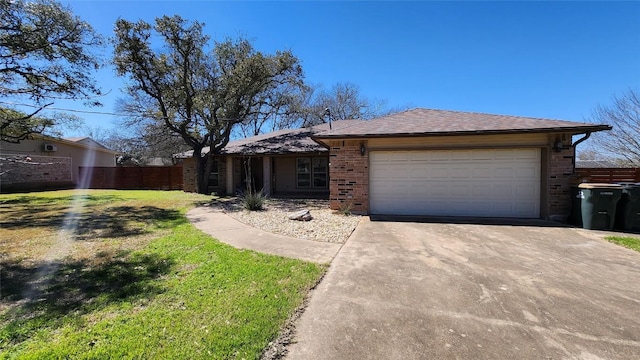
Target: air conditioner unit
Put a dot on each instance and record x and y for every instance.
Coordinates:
(50, 147)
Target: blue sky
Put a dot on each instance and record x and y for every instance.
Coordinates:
(541, 59)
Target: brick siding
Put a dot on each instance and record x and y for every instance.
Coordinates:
(349, 176)
(189, 176)
(19, 169)
(561, 169)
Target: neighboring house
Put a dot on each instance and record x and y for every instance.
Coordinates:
(599, 164)
(281, 163)
(43, 162)
(417, 162)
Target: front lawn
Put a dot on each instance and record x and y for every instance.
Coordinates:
(626, 241)
(122, 274)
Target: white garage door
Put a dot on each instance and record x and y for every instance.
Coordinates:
(483, 182)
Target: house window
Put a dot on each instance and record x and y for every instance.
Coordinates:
(215, 172)
(320, 172)
(312, 173)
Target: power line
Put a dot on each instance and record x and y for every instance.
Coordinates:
(62, 109)
(84, 111)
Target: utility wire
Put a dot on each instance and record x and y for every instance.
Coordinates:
(62, 109)
(80, 111)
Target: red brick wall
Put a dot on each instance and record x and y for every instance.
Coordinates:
(189, 175)
(561, 165)
(349, 176)
(22, 169)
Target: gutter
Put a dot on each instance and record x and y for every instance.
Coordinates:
(574, 130)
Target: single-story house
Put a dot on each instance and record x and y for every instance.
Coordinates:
(45, 162)
(281, 163)
(420, 162)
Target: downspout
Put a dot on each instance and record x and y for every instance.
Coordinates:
(586, 136)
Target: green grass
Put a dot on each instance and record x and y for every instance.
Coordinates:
(626, 241)
(134, 280)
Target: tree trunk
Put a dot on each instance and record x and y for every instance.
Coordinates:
(202, 178)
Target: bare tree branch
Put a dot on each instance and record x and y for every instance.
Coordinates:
(623, 141)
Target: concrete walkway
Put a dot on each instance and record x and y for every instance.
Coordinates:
(230, 231)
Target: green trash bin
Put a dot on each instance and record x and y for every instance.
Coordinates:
(628, 210)
(598, 205)
(576, 209)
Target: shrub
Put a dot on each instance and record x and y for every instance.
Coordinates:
(345, 208)
(252, 200)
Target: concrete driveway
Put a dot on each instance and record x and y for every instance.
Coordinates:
(402, 290)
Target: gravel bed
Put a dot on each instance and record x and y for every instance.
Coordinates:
(327, 225)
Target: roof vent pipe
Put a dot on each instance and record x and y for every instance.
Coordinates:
(327, 113)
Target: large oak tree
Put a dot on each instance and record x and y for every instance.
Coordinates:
(197, 90)
(46, 54)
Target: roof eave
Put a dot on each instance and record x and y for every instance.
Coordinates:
(274, 153)
(574, 130)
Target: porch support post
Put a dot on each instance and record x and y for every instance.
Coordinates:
(229, 175)
(266, 175)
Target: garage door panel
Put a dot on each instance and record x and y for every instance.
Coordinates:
(440, 156)
(418, 173)
(531, 154)
(525, 173)
(481, 173)
(460, 173)
(391, 190)
(482, 155)
(503, 172)
(419, 156)
(460, 155)
(483, 182)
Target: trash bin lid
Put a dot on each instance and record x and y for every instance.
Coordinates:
(628, 184)
(599, 186)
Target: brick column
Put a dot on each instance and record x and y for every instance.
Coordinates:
(561, 167)
(189, 175)
(349, 176)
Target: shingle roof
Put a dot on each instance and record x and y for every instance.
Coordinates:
(85, 140)
(288, 141)
(598, 164)
(420, 122)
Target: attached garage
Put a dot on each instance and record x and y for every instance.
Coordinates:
(477, 182)
(451, 163)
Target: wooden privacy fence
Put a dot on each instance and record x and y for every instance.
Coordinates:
(609, 175)
(131, 178)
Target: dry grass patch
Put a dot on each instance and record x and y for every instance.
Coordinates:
(122, 274)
